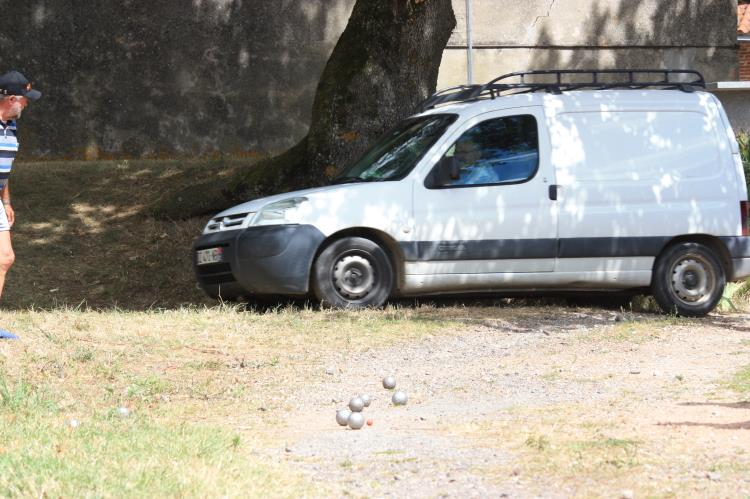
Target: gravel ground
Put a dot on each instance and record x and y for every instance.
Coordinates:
(660, 376)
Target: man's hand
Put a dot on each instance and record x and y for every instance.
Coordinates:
(11, 214)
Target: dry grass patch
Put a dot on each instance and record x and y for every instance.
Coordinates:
(84, 234)
(599, 451)
(195, 381)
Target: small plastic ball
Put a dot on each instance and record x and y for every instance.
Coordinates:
(356, 421)
(366, 399)
(356, 404)
(342, 416)
(74, 423)
(389, 382)
(123, 412)
(369, 422)
(399, 398)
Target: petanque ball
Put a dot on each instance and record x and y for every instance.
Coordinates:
(342, 416)
(356, 404)
(389, 382)
(356, 421)
(399, 398)
(123, 412)
(366, 400)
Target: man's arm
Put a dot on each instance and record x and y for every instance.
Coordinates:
(5, 197)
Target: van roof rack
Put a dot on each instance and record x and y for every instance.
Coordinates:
(552, 81)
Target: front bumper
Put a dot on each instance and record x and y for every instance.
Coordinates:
(266, 260)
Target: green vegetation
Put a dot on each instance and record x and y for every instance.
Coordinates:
(740, 382)
(45, 453)
(743, 138)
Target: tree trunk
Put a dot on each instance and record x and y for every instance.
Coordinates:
(384, 64)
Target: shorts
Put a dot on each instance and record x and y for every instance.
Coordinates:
(4, 225)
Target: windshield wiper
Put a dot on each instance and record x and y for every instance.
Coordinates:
(352, 180)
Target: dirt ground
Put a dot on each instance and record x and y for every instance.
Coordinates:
(538, 403)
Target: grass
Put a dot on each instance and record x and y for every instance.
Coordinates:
(634, 330)
(599, 450)
(139, 456)
(84, 235)
(193, 379)
(740, 382)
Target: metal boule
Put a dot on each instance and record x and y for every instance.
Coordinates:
(356, 404)
(74, 423)
(122, 412)
(342, 416)
(366, 399)
(399, 398)
(356, 421)
(389, 382)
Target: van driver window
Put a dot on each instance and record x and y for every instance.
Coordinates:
(497, 151)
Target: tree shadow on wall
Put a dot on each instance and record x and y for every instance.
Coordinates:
(139, 77)
(682, 34)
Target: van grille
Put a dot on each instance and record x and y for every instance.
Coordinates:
(230, 222)
(215, 273)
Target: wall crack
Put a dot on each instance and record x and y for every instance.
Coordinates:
(549, 10)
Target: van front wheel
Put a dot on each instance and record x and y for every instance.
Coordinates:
(353, 272)
(688, 280)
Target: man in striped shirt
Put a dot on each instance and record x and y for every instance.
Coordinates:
(15, 94)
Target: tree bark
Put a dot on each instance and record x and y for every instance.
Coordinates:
(384, 64)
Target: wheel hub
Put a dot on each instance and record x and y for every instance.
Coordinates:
(353, 277)
(692, 280)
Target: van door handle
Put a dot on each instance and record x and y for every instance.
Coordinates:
(553, 192)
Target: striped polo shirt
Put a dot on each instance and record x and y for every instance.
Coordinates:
(8, 149)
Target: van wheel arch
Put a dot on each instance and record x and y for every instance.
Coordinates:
(712, 242)
(389, 245)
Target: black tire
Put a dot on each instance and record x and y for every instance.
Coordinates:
(688, 280)
(353, 272)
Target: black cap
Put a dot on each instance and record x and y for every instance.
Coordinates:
(14, 83)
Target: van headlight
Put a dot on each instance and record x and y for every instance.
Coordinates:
(288, 211)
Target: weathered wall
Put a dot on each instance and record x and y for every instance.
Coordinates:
(134, 77)
(514, 36)
(166, 77)
(737, 105)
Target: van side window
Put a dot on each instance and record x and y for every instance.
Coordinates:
(497, 151)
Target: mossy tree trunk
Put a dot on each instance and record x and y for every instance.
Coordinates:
(384, 64)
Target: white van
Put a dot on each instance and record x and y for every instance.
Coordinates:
(579, 180)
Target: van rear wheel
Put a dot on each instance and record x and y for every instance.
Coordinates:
(688, 280)
(353, 272)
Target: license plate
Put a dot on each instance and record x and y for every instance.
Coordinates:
(211, 255)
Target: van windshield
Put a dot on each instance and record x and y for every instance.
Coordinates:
(394, 155)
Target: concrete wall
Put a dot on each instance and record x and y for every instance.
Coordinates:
(178, 77)
(737, 105)
(166, 77)
(514, 36)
